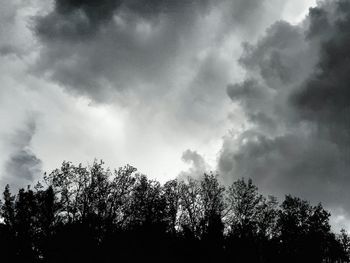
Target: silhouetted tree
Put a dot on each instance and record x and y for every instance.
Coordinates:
(192, 213)
(171, 192)
(344, 241)
(93, 214)
(8, 208)
(250, 220)
(304, 231)
(7, 228)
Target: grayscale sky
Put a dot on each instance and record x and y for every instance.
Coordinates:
(247, 88)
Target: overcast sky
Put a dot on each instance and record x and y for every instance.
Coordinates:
(248, 88)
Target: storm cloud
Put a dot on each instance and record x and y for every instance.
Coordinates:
(164, 63)
(198, 165)
(23, 166)
(140, 82)
(100, 48)
(122, 49)
(296, 101)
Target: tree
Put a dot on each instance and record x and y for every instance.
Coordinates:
(344, 241)
(147, 206)
(304, 230)
(244, 208)
(251, 222)
(7, 228)
(211, 195)
(171, 193)
(191, 215)
(8, 207)
(119, 197)
(94, 214)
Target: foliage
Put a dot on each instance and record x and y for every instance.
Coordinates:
(93, 214)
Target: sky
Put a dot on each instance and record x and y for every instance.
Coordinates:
(247, 88)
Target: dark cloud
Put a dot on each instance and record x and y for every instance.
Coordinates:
(154, 57)
(277, 57)
(118, 48)
(159, 64)
(22, 165)
(297, 100)
(73, 20)
(198, 165)
(99, 48)
(325, 97)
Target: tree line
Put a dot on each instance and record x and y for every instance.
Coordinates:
(94, 214)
